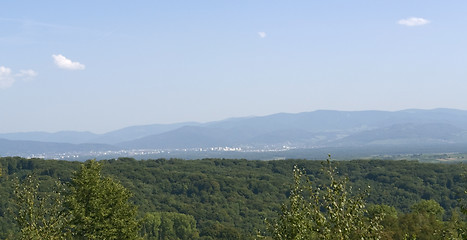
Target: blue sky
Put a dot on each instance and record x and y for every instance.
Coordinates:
(104, 65)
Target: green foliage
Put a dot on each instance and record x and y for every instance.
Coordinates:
(463, 200)
(389, 220)
(216, 230)
(168, 225)
(99, 206)
(326, 212)
(230, 198)
(423, 222)
(40, 215)
(428, 207)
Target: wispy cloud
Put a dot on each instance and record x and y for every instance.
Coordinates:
(262, 34)
(7, 78)
(26, 74)
(65, 63)
(413, 21)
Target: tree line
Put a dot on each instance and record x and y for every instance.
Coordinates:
(231, 198)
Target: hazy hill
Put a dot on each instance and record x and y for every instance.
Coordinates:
(328, 120)
(184, 137)
(18, 148)
(318, 129)
(76, 137)
(135, 132)
(408, 133)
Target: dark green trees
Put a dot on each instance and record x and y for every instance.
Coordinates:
(169, 225)
(230, 198)
(99, 206)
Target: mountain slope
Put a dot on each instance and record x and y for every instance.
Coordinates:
(407, 133)
(75, 137)
(136, 132)
(184, 137)
(318, 129)
(323, 128)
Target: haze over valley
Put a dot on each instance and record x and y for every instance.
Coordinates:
(276, 136)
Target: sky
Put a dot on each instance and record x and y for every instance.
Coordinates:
(103, 65)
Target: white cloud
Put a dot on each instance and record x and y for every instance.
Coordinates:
(413, 21)
(7, 78)
(65, 63)
(262, 34)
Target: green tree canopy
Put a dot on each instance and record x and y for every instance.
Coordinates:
(40, 215)
(169, 225)
(324, 212)
(99, 206)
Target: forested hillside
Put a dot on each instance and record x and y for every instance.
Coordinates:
(230, 199)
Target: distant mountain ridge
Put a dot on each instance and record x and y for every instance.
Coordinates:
(21, 148)
(135, 132)
(77, 137)
(440, 133)
(322, 128)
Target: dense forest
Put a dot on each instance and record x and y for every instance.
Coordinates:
(242, 199)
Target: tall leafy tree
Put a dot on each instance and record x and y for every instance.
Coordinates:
(325, 212)
(40, 215)
(99, 206)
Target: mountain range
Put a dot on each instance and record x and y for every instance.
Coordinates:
(317, 129)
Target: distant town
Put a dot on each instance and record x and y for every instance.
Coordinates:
(151, 153)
